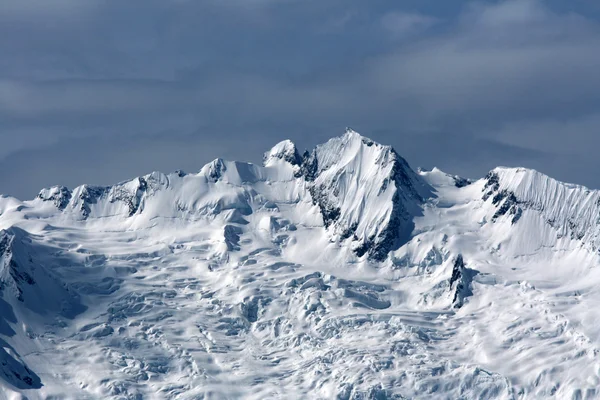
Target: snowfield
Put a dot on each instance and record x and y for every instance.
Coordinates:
(337, 274)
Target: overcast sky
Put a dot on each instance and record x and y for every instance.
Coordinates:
(101, 91)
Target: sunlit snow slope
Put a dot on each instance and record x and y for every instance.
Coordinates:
(339, 273)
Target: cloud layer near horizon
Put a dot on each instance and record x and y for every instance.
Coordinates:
(98, 92)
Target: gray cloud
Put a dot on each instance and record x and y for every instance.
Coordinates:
(401, 24)
(515, 59)
(461, 85)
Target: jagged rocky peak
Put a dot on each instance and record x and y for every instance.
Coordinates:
(59, 195)
(26, 278)
(84, 196)
(351, 147)
(131, 193)
(12, 275)
(124, 198)
(366, 192)
(359, 156)
(571, 210)
(214, 170)
(6, 241)
(285, 150)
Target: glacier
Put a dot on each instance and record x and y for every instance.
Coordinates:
(337, 273)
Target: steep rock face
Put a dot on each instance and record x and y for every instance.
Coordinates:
(365, 191)
(215, 170)
(572, 211)
(13, 276)
(84, 197)
(460, 282)
(14, 371)
(123, 199)
(131, 194)
(24, 278)
(29, 285)
(59, 195)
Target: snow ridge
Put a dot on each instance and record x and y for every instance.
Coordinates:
(572, 211)
(334, 273)
(365, 192)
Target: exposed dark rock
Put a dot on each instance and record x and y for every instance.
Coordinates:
(460, 282)
(5, 241)
(492, 184)
(19, 275)
(7, 263)
(293, 158)
(367, 142)
(505, 200)
(285, 151)
(329, 212)
(59, 195)
(461, 182)
(30, 281)
(363, 248)
(252, 308)
(14, 371)
(133, 200)
(348, 232)
(231, 233)
(516, 212)
(400, 219)
(310, 166)
(216, 170)
(91, 195)
(400, 222)
(508, 204)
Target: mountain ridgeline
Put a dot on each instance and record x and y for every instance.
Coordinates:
(339, 272)
(365, 192)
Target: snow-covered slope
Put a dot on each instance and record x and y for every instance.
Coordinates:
(338, 273)
(365, 192)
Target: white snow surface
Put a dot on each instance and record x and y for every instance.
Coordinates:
(335, 274)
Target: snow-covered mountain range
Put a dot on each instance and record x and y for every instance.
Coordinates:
(340, 273)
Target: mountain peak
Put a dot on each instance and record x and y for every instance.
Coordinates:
(285, 150)
(365, 191)
(343, 253)
(351, 134)
(571, 211)
(214, 169)
(59, 195)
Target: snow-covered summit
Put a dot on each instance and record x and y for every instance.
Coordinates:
(366, 195)
(365, 191)
(570, 211)
(285, 150)
(59, 195)
(338, 272)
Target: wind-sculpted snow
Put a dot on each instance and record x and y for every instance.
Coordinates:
(572, 211)
(337, 274)
(366, 192)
